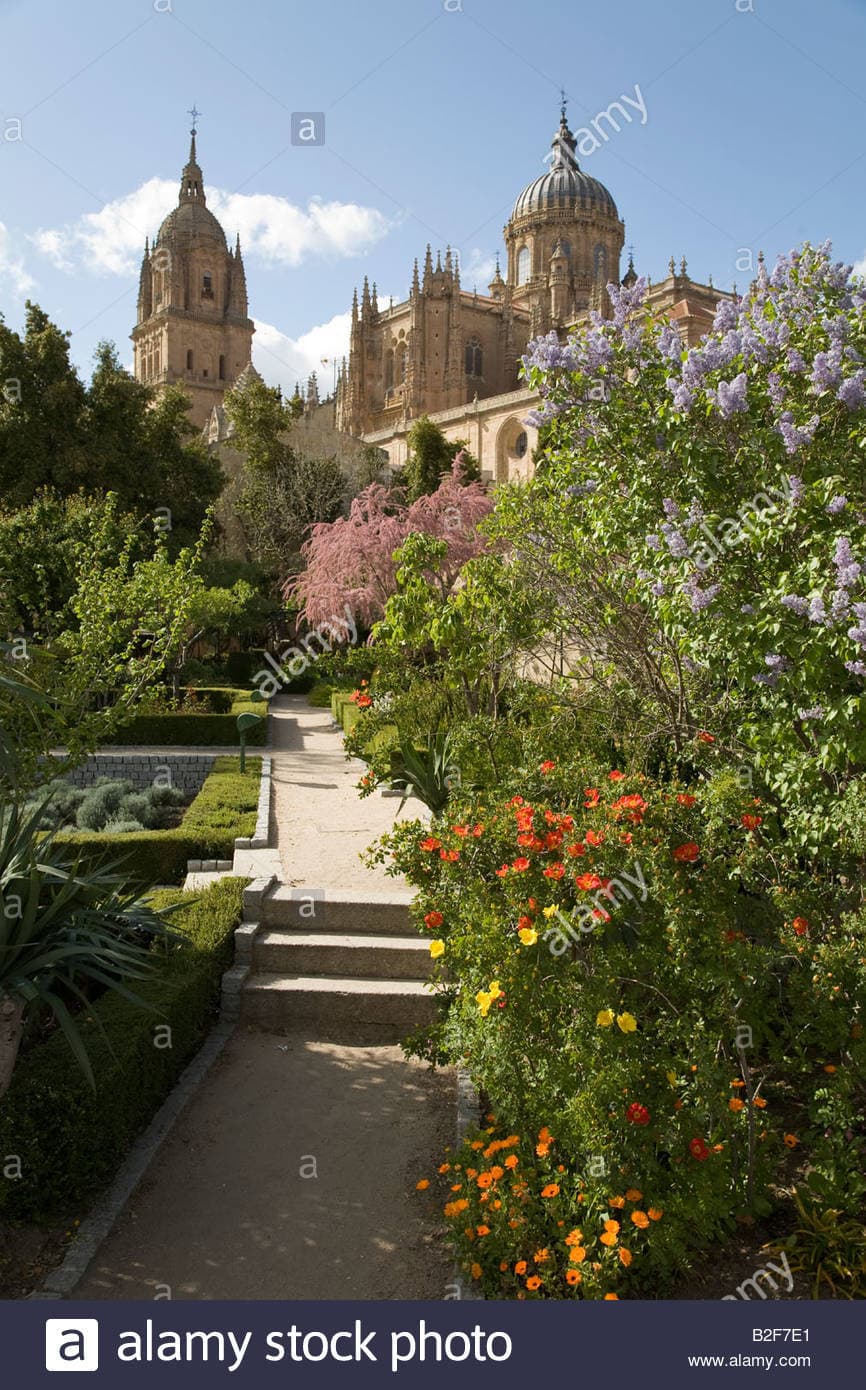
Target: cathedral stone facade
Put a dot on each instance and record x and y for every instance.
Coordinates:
(192, 326)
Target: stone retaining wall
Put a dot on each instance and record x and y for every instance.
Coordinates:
(186, 770)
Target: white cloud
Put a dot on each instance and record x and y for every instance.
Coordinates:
(283, 360)
(477, 269)
(860, 266)
(12, 267)
(273, 229)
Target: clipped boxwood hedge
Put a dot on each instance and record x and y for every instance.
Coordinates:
(71, 1139)
(196, 730)
(225, 808)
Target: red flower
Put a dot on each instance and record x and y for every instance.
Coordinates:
(460, 829)
(800, 925)
(477, 830)
(553, 839)
(520, 865)
(751, 822)
(698, 1149)
(593, 838)
(705, 737)
(637, 1114)
(588, 881)
(527, 838)
(554, 871)
(363, 701)
(576, 850)
(686, 798)
(516, 801)
(592, 796)
(547, 766)
(523, 923)
(616, 776)
(687, 853)
(449, 855)
(431, 843)
(502, 872)
(433, 920)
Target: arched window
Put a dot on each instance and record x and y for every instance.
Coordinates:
(189, 359)
(207, 285)
(222, 368)
(389, 369)
(473, 358)
(523, 264)
(566, 247)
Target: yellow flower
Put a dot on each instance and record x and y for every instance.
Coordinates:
(552, 910)
(437, 948)
(626, 1023)
(604, 1018)
(528, 936)
(483, 999)
(672, 1077)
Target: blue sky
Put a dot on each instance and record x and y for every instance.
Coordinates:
(437, 113)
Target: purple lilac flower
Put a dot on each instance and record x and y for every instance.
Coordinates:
(852, 393)
(747, 608)
(769, 678)
(695, 514)
(671, 510)
(858, 632)
(670, 344)
(796, 360)
(827, 369)
(683, 398)
(817, 613)
(848, 570)
(796, 436)
(731, 396)
(840, 605)
(797, 605)
(816, 712)
(659, 588)
(653, 541)
(699, 598)
(795, 486)
(776, 389)
(837, 505)
(676, 541)
(777, 662)
(857, 668)
(726, 316)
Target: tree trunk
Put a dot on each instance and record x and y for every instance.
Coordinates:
(11, 1028)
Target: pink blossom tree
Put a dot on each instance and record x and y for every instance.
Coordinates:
(349, 563)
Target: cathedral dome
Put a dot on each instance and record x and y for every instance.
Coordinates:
(192, 220)
(564, 185)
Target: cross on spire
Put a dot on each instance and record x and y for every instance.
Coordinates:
(194, 115)
(563, 98)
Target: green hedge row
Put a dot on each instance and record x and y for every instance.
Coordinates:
(196, 730)
(224, 808)
(71, 1139)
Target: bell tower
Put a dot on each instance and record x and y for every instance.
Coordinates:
(192, 324)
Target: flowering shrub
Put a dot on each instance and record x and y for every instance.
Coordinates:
(701, 518)
(624, 968)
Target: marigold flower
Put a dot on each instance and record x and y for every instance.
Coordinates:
(477, 1144)
(655, 1213)
(791, 1140)
(484, 1180)
(444, 1168)
(511, 1161)
(625, 1256)
(705, 737)
(437, 948)
(574, 1237)
(573, 1276)
(604, 1018)
(611, 1298)
(830, 1069)
(420, 1186)
(577, 1254)
(496, 1172)
(760, 1102)
(633, 1194)
(608, 1238)
(626, 1023)
(528, 936)
(475, 1271)
(611, 1225)
(542, 1150)
(520, 1267)
(698, 1149)
(533, 1283)
(541, 1256)
(800, 925)
(482, 1230)
(551, 1189)
(616, 1202)
(737, 1082)
(687, 853)
(640, 1219)
(736, 1104)
(545, 1135)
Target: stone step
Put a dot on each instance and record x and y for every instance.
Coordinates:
(338, 910)
(359, 956)
(336, 1008)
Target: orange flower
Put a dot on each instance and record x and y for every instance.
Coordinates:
(800, 925)
(655, 1213)
(760, 1102)
(573, 1276)
(577, 1254)
(687, 853)
(482, 1230)
(736, 1104)
(511, 1161)
(541, 1256)
(574, 1237)
(453, 1208)
(497, 1172)
(829, 1069)
(533, 1283)
(738, 1082)
(616, 1202)
(544, 1135)
(420, 1186)
(625, 1256)
(640, 1219)
(484, 1180)
(550, 1190)
(611, 1226)
(477, 1144)
(520, 1267)
(791, 1140)
(611, 1298)
(542, 1150)
(633, 1194)
(444, 1168)
(476, 1271)
(609, 1238)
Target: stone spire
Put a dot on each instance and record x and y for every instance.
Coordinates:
(428, 267)
(496, 287)
(374, 303)
(355, 304)
(191, 181)
(365, 299)
(416, 285)
(630, 277)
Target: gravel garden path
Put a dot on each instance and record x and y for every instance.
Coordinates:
(292, 1172)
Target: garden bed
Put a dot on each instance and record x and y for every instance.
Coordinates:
(212, 725)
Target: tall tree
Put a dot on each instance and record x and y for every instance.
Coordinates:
(430, 457)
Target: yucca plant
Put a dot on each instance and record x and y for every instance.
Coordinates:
(61, 929)
(829, 1247)
(429, 773)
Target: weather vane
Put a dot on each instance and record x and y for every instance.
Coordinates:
(195, 115)
(563, 97)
